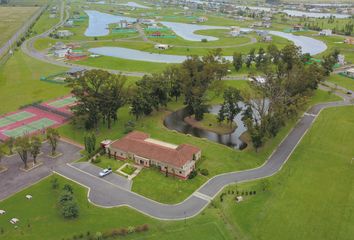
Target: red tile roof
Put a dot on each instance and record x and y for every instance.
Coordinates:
(134, 143)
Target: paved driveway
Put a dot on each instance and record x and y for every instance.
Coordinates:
(14, 180)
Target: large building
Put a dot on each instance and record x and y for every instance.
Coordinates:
(176, 160)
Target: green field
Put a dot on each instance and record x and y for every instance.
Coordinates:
(20, 84)
(312, 197)
(12, 19)
(342, 81)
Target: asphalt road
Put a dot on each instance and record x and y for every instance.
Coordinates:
(106, 193)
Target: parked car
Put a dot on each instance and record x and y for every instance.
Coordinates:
(105, 172)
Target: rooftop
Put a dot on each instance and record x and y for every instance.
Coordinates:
(142, 145)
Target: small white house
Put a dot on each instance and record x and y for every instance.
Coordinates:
(202, 19)
(267, 38)
(326, 32)
(235, 31)
(60, 53)
(162, 46)
(64, 33)
(350, 72)
(341, 59)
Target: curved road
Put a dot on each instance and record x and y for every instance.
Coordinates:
(105, 193)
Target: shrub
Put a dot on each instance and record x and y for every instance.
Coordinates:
(55, 183)
(204, 40)
(131, 229)
(129, 126)
(70, 209)
(193, 174)
(204, 172)
(123, 232)
(145, 227)
(96, 160)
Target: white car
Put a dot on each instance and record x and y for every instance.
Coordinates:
(105, 172)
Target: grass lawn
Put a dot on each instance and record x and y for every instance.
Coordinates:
(11, 19)
(109, 162)
(211, 123)
(129, 169)
(342, 81)
(41, 219)
(312, 197)
(20, 84)
(217, 158)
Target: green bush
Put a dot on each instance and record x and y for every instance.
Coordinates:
(204, 172)
(193, 174)
(96, 160)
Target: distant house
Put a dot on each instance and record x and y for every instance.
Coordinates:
(176, 160)
(59, 46)
(266, 24)
(60, 53)
(267, 38)
(76, 72)
(69, 23)
(326, 32)
(349, 72)
(162, 46)
(235, 31)
(262, 33)
(341, 59)
(298, 27)
(64, 33)
(349, 41)
(202, 19)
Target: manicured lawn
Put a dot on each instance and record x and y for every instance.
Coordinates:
(109, 162)
(41, 219)
(11, 20)
(312, 197)
(128, 169)
(20, 84)
(342, 81)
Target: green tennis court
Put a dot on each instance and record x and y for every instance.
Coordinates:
(29, 128)
(16, 117)
(62, 102)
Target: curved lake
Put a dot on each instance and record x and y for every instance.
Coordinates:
(175, 121)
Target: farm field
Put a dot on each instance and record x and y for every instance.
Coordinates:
(11, 20)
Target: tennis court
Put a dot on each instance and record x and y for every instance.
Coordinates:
(16, 117)
(63, 102)
(30, 127)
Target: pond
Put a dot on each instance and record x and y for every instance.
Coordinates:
(175, 121)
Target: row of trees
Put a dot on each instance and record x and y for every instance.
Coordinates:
(27, 146)
(192, 79)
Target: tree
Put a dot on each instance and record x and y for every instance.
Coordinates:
(68, 204)
(53, 138)
(35, 147)
(274, 53)
(10, 142)
(23, 146)
(2, 151)
(250, 58)
(230, 108)
(260, 59)
(237, 61)
(90, 143)
(173, 77)
(99, 95)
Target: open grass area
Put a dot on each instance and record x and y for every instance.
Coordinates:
(312, 196)
(20, 84)
(40, 218)
(45, 22)
(129, 169)
(342, 81)
(12, 19)
(211, 123)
